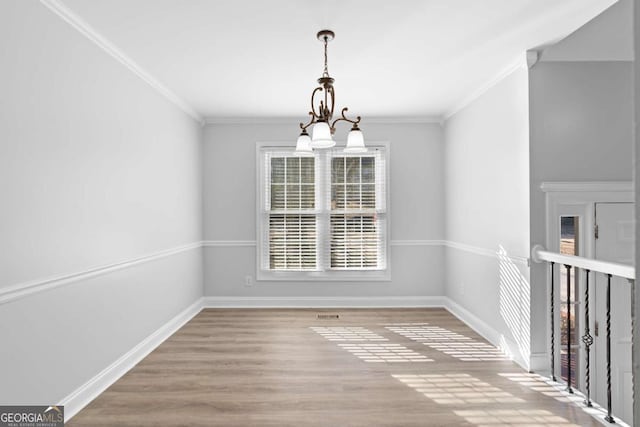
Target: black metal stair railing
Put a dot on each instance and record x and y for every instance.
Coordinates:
(569, 389)
(587, 338)
(609, 416)
(591, 268)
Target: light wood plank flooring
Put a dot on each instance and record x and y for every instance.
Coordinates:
(371, 367)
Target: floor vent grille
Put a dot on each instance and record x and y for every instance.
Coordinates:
(328, 316)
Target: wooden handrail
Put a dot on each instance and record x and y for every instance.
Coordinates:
(539, 254)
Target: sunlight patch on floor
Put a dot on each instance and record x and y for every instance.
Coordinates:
(381, 353)
(542, 385)
(557, 391)
(457, 389)
(451, 343)
(470, 351)
(422, 333)
(514, 417)
(347, 333)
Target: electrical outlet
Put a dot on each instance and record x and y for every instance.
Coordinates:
(248, 281)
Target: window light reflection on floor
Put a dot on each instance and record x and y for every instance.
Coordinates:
(405, 324)
(457, 389)
(381, 353)
(451, 343)
(542, 385)
(513, 417)
(470, 351)
(347, 333)
(558, 392)
(421, 333)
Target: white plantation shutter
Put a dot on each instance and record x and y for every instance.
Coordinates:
(323, 213)
(289, 212)
(357, 224)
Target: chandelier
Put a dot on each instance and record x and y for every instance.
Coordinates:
(324, 126)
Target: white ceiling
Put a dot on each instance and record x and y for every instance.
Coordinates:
(243, 58)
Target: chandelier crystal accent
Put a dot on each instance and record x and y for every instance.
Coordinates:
(322, 109)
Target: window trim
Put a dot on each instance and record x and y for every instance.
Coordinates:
(328, 275)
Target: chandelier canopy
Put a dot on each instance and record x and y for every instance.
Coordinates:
(324, 126)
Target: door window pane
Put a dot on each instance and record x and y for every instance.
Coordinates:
(569, 245)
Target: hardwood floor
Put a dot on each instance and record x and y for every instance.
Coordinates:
(370, 367)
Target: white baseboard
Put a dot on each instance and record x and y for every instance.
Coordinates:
(540, 363)
(489, 333)
(83, 395)
(322, 302)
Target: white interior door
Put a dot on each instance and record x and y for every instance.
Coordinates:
(615, 243)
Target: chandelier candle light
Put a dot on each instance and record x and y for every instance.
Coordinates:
(322, 115)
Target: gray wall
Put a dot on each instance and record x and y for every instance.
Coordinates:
(95, 168)
(636, 314)
(581, 130)
(416, 212)
(607, 37)
(487, 211)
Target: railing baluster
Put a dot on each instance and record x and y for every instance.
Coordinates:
(569, 389)
(634, 345)
(609, 417)
(587, 339)
(553, 326)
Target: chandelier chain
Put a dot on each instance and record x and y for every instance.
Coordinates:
(325, 73)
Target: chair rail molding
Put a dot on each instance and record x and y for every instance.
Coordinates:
(491, 253)
(235, 243)
(24, 289)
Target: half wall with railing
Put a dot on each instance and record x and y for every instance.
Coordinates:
(567, 267)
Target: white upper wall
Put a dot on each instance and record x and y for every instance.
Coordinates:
(487, 163)
(607, 37)
(95, 165)
(487, 212)
(96, 168)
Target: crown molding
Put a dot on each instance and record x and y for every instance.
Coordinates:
(214, 120)
(519, 62)
(57, 7)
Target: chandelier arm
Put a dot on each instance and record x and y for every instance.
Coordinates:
(333, 101)
(313, 108)
(312, 121)
(345, 119)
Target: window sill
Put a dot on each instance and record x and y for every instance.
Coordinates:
(324, 276)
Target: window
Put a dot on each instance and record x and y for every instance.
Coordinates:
(322, 217)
